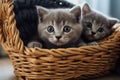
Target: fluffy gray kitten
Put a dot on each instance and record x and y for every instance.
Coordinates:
(58, 28)
(96, 26)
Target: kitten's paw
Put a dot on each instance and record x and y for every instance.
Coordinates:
(93, 43)
(34, 44)
(82, 44)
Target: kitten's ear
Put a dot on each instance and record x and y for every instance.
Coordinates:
(112, 22)
(77, 12)
(86, 9)
(42, 11)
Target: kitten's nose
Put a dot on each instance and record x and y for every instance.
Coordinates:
(93, 33)
(58, 37)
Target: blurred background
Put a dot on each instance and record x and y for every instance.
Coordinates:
(108, 7)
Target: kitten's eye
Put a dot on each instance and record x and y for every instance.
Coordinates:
(50, 29)
(89, 24)
(66, 28)
(100, 29)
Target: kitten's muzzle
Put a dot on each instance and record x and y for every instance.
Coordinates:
(93, 33)
(58, 37)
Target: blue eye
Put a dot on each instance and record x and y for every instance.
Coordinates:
(50, 29)
(67, 29)
(100, 29)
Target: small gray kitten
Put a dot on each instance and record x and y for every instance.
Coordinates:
(58, 28)
(96, 26)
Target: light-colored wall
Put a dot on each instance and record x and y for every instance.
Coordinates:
(100, 5)
(108, 7)
(115, 8)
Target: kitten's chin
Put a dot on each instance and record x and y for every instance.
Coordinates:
(93, 38)
(58, 43)
(89, 38)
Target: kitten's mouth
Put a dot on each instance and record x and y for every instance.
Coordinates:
(59, 43)
(91, 36)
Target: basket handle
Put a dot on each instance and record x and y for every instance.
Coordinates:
(2, 17)
(9, 34)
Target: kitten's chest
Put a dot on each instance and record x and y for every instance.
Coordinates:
(49, 45)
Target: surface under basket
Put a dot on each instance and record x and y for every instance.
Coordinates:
(55, 64)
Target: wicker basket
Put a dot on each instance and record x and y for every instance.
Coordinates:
(55, 64)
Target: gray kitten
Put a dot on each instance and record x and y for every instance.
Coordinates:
(58, 28)
(96, 26)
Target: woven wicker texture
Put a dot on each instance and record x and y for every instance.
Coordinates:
(55, 64)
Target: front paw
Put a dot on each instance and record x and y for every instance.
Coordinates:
(92, 43)
(34, 44)
(82, 44)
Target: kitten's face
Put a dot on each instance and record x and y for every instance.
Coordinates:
(96, 26)
(60, 27)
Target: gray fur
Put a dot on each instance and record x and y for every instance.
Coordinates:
(59, 18)
(98, 21)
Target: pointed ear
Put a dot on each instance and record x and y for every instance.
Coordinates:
(42, 11)
(86, 9)
(112, 22)
(76, 11)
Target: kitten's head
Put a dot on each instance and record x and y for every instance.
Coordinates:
(59, 26)
(96, 26)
